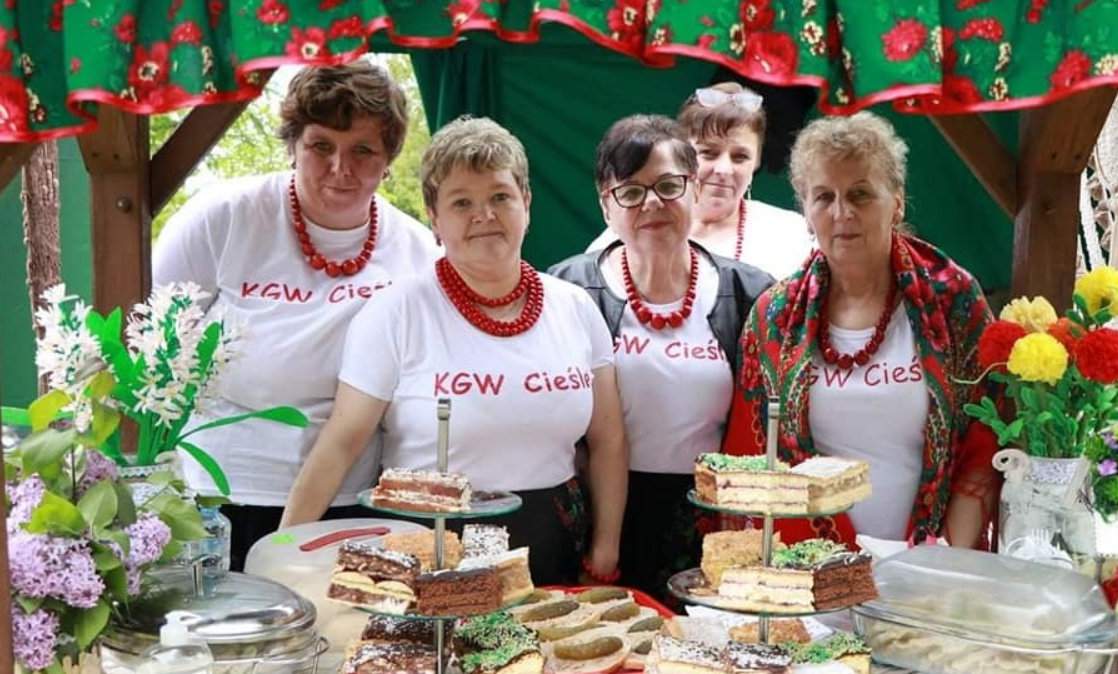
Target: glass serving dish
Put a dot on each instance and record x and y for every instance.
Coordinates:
(691, 586)
(482, 504)
(944, 610)
(695, 499)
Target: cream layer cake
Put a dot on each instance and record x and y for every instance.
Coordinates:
(370, 576)
(512, 570)
(745, 482)
(672, 656)
(835, 484)
(422, 490)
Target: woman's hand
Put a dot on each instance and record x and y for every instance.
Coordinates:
(600, 566)
(607, 475)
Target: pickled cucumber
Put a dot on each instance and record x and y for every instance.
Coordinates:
(643, 647)
(621, 612)
(536, 597)
(589, 650)
(557, 633)
(597, 595)
(549, 611)
(647, 624)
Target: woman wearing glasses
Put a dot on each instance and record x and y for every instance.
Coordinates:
(675, 312)
(725, 123)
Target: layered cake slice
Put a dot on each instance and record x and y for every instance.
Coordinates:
(672, 656)
(376, 657)
(388, 629)
(422, 490)
(728, 549)
(782, 631)
(512, 570)
(496, 644)
(813, 575)
(484, 540)
(370, 576)
(458, 593)
(421, 544)
(746, 483)
(741, 658)
(836, 484)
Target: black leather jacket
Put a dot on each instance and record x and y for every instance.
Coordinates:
(739, 285)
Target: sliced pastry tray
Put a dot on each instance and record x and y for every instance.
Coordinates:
(482, 504)
(691, 586)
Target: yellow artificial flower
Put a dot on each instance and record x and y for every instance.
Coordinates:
(1038, 356)
(1099, 289)
(1034, 315)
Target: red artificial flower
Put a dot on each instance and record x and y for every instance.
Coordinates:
(773, 53)
(13, 105)
(126, 29)
(626, 23)
(214, 8)
(308, 44)
(1073, 68)
(1096, 355)
(186, 32)
(1067, 333)
(348, 27)
(462, 11)
(961, 89)
(273, 12)
(149, 69)
(987, 29)
(904, 40)
(997, 341)
(757, 15)
(326, 5)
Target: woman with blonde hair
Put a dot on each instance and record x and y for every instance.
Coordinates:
(870, 347)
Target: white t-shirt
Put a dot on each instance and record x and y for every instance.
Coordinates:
(876, 413)
(238, 243)
(518, 404)
(675, 383)
(776, 240)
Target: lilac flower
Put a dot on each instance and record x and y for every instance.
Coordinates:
(24, 497)
(48, 566)
(1108, 467)
(33, 637)
(147, 538)
(1111, 439)
(97, 467)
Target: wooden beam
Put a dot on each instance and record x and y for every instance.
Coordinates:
(7, 664)
(194, 137)
(981, 150)
(12, 158)
(117, 158)
(1056, 141)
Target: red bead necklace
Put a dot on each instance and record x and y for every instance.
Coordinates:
(466, 300)
(862, 356)
(741, 231)
(315, 259)
(645, 315)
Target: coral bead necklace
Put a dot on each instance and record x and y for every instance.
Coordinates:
(316, 260)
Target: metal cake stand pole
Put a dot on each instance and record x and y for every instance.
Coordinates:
(767, 532)
(440, 522)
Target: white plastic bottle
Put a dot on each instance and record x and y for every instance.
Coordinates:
(178, 652)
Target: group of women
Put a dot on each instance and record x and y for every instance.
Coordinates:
(589, 390)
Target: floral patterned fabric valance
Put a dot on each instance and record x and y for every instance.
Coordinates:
(59, 59)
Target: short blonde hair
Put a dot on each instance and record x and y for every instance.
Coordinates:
(863, 136)
(477, 143)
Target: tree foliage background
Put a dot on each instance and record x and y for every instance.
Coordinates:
(250, 147)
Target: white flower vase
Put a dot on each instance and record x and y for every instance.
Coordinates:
(1047, 513)
(138, 477)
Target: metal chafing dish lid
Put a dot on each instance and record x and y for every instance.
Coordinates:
(234, 608)
(991, 598)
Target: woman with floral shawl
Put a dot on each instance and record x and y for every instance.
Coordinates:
(870, 347)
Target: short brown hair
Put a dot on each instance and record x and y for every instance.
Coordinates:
(628, 143)
(718, 121)
(863, 136)
(477, 143)
(333, 96)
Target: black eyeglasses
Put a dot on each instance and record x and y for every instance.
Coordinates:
(633, 195)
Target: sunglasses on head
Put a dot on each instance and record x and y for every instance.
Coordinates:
(709, 98)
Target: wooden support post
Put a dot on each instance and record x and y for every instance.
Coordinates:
(7, 662)
(981, 150)
(12, 158)
(117, 157)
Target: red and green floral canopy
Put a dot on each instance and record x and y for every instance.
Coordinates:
(59, 58)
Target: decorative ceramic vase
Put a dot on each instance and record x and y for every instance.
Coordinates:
(1047, 513)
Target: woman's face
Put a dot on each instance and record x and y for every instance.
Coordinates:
(726, 166)
(337, 172)
(480, 217)
(657, 222)
(852, 210)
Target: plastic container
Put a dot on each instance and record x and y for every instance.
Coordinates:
(178, 652)
(214, 550)
(944, 610)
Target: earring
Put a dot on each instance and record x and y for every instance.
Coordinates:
(387, 174)
(438, 240)
(749, 192)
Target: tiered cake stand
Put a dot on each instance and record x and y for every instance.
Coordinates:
(483, 504)
(690, 585)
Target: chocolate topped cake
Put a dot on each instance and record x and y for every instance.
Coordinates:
(387, 628)
(422, 490)
(367, 575)
(512, 569)
(369, 657)
(673, 656)
(458, 593)
(743, 658)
